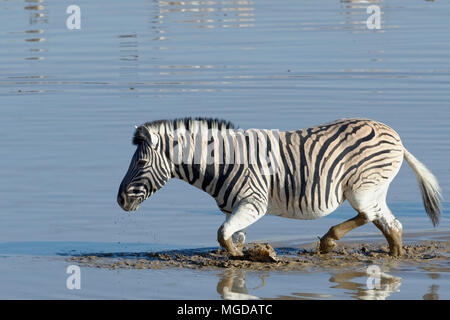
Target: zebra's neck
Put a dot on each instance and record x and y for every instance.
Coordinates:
(210, 154)
(203, 157)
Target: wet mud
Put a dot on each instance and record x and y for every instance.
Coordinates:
(263, 256)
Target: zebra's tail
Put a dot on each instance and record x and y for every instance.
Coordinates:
(429, 187)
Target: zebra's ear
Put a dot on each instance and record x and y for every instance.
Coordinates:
(142, 134)
(153, 139)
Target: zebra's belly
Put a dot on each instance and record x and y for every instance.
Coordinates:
(295, 212)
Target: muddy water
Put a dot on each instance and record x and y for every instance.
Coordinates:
(349, 266)
(69, 100)
(259, 256)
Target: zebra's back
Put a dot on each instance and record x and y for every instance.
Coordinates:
(318, 165)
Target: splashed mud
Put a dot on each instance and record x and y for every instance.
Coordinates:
(264, 257)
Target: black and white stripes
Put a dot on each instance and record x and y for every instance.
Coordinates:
(302, 174)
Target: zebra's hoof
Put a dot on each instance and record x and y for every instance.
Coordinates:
(236, 253)
(229, 245)
(396, 251)
(232, 249)
(327, 245)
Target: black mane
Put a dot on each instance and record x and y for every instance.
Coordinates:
(141, 134)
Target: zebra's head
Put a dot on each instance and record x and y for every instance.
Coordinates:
(148, 172)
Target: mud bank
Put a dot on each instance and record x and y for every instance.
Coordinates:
(257, 256)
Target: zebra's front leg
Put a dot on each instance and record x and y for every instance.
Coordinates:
(244, 215)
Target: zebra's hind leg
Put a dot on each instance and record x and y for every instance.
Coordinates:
(372, 204)
(392, 231)
(328, 241)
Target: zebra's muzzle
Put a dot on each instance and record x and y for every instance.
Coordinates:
(128, 203)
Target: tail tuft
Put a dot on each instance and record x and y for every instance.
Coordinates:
(429, 187)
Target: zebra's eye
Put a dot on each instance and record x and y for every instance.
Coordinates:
(142, 162)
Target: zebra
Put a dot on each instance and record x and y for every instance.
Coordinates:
(301, 174)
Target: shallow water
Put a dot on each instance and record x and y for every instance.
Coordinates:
(42, 274)
(69, 100)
